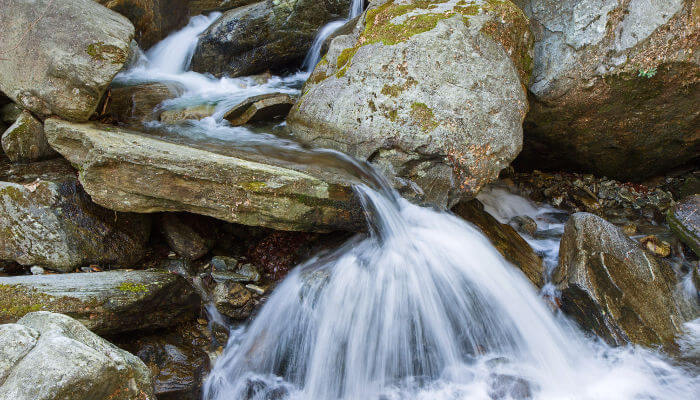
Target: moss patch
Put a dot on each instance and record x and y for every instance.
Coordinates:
(423, 115)
(16, 301)
(106, 52)
(132, 287)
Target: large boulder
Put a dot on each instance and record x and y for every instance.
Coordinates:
(615, 86)
(47, 356)
(49, 220)
(105, 302)
(507, 240)
(24, 140)
(153, 19)
(131, 171)
(57, 57)
(430, 91)
(268, 34)
(615, 289)
(684, 220)
(134, 105)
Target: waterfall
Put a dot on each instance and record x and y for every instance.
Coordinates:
(424, 307)
(314, 54)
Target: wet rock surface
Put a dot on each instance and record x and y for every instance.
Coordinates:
(385, 94)
(266, 107)
(59, 56)
(134, 105)
(105, 302)
(47, 356)
(128, 170)
(508, 242)
(612, 287)
(615, 86)
(48, 220)
(684, 220)
(264, 35)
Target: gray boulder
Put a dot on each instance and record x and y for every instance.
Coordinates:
(136, 172)
(48, 220)
(57, 57)
(47, 356)
(615, 289)
(615, 86)
(264, 107)
(24, 141)
(430, 92)
(105, 302)
(268, 34)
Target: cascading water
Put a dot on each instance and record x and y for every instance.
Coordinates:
(421, 307)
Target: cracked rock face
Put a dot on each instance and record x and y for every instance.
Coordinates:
(614, 288)
(614, 86)
(430, 92)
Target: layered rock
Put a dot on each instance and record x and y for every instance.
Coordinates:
(48, 220)
(47, 356)
(24, 140)
(506, 240)
(268, 34)
(615, 86)
(265, 107)
(105, 302)
(130, 171)
(613, 288)
(59, 56)
(432, 92)
(684, 220)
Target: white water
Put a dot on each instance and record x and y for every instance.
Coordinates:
(314, 54)
(422, 308)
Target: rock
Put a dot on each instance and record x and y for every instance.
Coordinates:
(345, 29)
(48, 220)
(224, 264)
(9, 113)
(265, 107)
(105, 302)
(54, 357)
(177, 365)
(131, 171)
(134, 105)
(177, 116)
(197, 7)
(385, 94)
(506, 240)
(36, 270)
(61, 55)
(233, 300)
(153, 19)
(656, 246)
(24, 141)
(614, 87)
(684, 220)
(190, 236)
(268, 34)
(525, 224)
(226, 269)
(613, 288)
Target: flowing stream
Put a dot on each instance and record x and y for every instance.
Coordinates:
(420, 307)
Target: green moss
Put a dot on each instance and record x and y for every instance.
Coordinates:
(254, 186)
(132, 287)
(423, 115)
(393, 115)
(103, 52)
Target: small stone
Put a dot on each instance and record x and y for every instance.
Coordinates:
(656, 245)
(525, 224)
(233, 300)
(266, 107)
(37, 270)
(25, 141)
(172, 255)
(222, 263)
(257, 289)
(190, 113)
(630, 229)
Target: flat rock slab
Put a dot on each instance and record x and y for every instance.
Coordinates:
(265, 107)
(105, 302)
(132, 171)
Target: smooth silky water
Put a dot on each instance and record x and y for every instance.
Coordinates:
(420, 307)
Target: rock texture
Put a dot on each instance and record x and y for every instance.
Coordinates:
(615, 86)
(684, 220)
(53, 357)
(57, 57)
(190, 236)
(265, 107)
(48, 220)
(506, 240)
(24, 140)
(432, 92)
(130, 171)
(153, 19)
(613, 288)
(105, 302)
(268, 34)
(134, 105)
